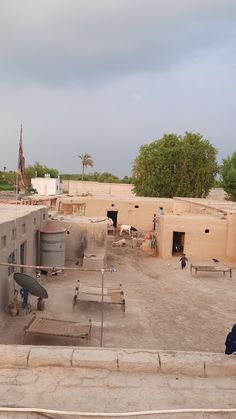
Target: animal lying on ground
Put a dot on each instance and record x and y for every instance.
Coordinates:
(127, 229)
(119, 243)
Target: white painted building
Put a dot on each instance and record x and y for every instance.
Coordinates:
(46, 185)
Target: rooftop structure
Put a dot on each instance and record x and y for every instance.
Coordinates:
(9, 212)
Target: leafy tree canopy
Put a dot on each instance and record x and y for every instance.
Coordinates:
(39, 170)
(97, 177)
(8, 178)
(228, 176)
(106, 177)
(126, 179)
(175, 166)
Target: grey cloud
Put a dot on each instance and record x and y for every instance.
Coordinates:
(87, 41)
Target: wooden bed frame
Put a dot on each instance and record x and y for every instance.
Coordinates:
(94, 294)
(211, 268)
(58, 328)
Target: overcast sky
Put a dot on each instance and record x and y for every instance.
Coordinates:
(105, 76)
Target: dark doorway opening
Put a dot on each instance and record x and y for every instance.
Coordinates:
(22, 256)
(113, 215)
(178, 243)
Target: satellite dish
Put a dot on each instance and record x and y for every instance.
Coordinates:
(32, 285)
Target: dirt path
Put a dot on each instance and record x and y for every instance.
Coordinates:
(175, 309)
(166, 308)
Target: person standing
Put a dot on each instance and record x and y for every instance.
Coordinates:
(154, 221)
(230, 343)
(183, 260)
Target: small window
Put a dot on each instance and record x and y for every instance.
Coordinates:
(136, 206)
(112, 205)
(13, 234)
(34, 221)
(82, 209)
(44, 216)
(11, 259)
(23, 228)
(3, 242)
(207, 231)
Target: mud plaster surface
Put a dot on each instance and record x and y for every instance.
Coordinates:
(166, 308)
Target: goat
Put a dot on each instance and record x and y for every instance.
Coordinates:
(127, 229)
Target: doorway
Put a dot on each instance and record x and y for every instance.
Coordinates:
(22, 256)
(113, 215)
(178, 243)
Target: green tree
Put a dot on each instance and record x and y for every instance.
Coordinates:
(127, 179)
(97, 177)
(198, 166)
(228, 176)
(107, 177)
(86, 161)
(9, 178)
(39, 170)
(175, 166)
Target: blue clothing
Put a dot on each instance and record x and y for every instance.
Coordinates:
(24, 292)
(230, 343)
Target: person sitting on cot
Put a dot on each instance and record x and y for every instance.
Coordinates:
(230, 343)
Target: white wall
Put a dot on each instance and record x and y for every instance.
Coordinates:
(46, 185)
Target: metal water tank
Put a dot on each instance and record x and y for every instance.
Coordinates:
(52, 245)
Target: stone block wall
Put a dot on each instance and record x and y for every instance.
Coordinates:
(200, 364)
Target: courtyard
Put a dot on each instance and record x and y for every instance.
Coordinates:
(166, 308)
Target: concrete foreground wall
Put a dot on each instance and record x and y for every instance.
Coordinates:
(198, 364)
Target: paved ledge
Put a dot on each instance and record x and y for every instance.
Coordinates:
(215, 363)
(138, 361)
(186, 363)
(14, 356)
(95, 358)
(199, 364)
(50, 356)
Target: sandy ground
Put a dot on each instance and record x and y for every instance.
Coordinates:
(166, 308)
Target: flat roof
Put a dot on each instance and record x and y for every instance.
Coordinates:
(192, 216)
(224, 206)
(9, 212)
(79, 219)
(73, 198)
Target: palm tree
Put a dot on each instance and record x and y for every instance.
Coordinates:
(86, 161)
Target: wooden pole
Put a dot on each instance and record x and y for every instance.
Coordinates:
(59, 268)
(101, 337)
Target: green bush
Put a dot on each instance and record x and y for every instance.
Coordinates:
(5, 187)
